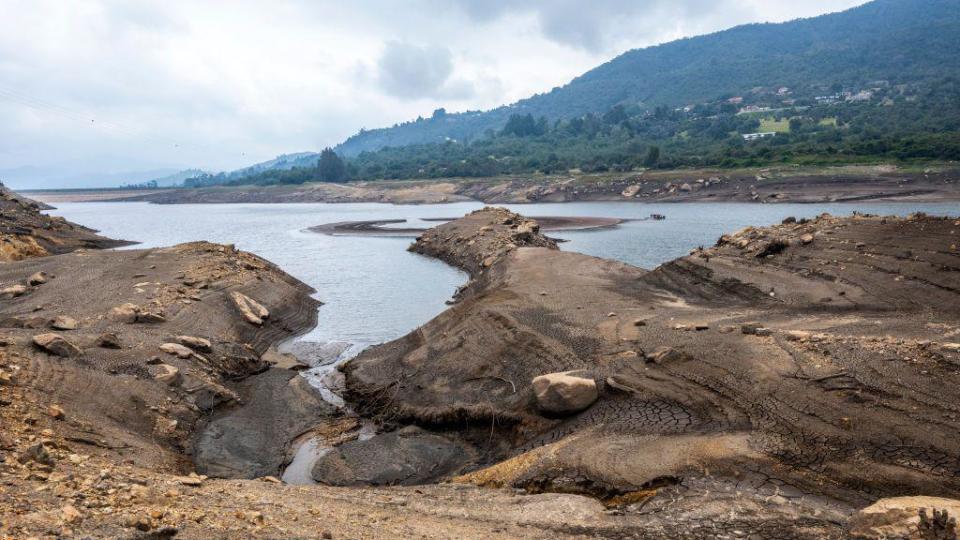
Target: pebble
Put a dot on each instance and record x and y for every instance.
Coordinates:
(56, 412)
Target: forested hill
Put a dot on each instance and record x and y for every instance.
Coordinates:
(899, 41)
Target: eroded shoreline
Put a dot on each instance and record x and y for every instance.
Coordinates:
(867, 183)
(773, 385)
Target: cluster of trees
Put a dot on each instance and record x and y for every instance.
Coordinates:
(330, 168)
(923, 123)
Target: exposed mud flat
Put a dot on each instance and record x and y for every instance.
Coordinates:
(805, 369)
(767, 387)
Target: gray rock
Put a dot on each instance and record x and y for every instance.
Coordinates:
(39, 454)
(165, 373)
(177, 350)
(250, 440)
(564, 393)
(57, 345)
(109, 341)
(63, 322)
(251, 310)
(125, 313)
(150, 317)
(37, 279)
(662, 355)
(13, 291)
(196, 343)
(409, 456)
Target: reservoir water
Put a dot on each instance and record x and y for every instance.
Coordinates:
(374, 290)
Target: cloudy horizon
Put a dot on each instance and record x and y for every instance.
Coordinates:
(100, 87)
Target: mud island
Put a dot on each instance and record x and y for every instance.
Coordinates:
(793, 381)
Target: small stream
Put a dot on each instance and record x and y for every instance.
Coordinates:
(323, 359)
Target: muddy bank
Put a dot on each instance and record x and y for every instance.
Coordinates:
(802, 370)
(379, 228)
(769, 185)
(159, 329)
(122, 373)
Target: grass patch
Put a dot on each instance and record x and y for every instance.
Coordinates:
(832, 121)
(770, 124)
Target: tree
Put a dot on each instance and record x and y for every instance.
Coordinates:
(653, 157)
(332, 168)
(523, 125)
(615, 115)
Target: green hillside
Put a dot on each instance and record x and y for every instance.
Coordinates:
(895, 41)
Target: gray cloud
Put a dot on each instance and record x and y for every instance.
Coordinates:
(114, 85)
(409, 71)
(607, 25)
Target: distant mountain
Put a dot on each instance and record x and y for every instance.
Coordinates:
(176, 178)
(285, 161)
(889, 40)
(74, 175)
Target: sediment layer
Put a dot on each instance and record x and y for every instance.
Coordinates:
(25, 232)
(774, 185)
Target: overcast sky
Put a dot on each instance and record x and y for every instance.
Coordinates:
(125, 85)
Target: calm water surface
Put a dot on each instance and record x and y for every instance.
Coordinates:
(374, 290)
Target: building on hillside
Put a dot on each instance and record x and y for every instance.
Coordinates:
(783, 91)
(863, 95)
(755, 136)
(753, 109)
(735, 100)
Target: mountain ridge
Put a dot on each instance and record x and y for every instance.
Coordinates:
(860, 44)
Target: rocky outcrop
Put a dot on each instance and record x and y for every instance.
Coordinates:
(408, 456)
(480, 239)
(145, 381)
(900, 517)
(57, 345)
(251, 310)
(27, 233)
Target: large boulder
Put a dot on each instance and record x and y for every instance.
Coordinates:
(63, 322)
(177, 350)
(38, 278)
(13, 291)
(898, 517)
(57, 345)
(165, 373)
(125, 313)
(196, 343)
(564, 393)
